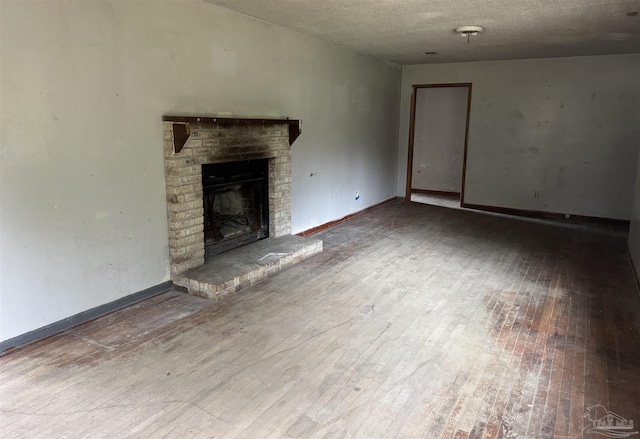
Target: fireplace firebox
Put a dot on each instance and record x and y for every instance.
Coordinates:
(236, 204)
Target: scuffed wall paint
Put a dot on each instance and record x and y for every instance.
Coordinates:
(634, 228)
(564, 127)
(84, 86)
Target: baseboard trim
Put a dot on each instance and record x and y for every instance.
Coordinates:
(19, 341)
(576, 219)
(634, 270)
(430, 192)
(345, 218)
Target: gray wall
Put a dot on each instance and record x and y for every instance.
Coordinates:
(438, 143)
(634, 229)
(84, 85)
(566, 127)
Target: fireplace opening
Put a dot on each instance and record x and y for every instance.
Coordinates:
(235, 199)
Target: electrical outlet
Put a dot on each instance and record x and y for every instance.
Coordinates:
(536, 195)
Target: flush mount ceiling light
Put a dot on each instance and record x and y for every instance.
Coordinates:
(467, 31)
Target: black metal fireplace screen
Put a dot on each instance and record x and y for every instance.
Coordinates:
(236, 210)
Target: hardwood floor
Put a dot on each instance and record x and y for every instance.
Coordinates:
(415, 322)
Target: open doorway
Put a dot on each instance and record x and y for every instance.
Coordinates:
(439, 128)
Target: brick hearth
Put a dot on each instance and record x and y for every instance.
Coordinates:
(214, 142)
(244, 266)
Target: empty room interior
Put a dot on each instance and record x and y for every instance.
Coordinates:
(330, 219)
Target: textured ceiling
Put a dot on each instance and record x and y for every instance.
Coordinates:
(402, 30)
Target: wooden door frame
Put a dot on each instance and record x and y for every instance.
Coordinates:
(412, 125)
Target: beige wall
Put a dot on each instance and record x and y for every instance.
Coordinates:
(82, 91)
(565, 127)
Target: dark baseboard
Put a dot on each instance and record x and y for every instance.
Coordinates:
(575, 219)
(345, 218)
(430, 192)
(11, 344)
(636, 273)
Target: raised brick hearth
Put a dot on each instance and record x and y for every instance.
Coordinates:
(214, 140)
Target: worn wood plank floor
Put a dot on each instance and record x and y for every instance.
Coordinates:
(416, 322)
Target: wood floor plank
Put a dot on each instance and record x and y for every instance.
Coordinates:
(415, 322)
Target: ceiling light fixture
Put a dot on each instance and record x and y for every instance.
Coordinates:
(467, 31)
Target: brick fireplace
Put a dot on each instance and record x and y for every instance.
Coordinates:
(190, 143)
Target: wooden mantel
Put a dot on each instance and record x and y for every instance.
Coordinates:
(182, 127)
